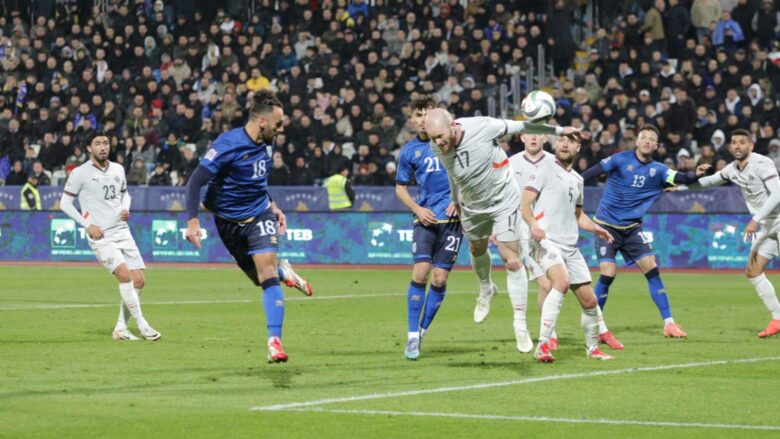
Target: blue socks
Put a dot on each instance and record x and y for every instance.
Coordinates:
(658, 292)
(273, 302)
(415, 298)
(432, 304)
(602, 289)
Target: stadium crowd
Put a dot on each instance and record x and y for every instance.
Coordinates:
(163, 78)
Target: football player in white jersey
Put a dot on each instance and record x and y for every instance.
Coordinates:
(757, 179)
(101, 188)
(523, 165)
(552, 208)
(488, 200)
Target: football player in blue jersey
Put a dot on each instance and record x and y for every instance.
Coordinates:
(634, 182)
(437, 230)
(235, 169)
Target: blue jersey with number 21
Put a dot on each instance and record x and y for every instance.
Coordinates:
(416, 157)
(239, 188)
(632, 187)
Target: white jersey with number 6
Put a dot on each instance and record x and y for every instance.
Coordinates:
(100, 194)
(479, 168)
(560, 192)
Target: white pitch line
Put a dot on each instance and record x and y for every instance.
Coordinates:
(545, 419)
(296, 405)
(17, 307)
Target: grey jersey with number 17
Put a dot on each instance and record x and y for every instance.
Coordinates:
(478, 167)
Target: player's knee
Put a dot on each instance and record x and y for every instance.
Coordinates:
(561, 284)
(478, 248)
(589, 302)
(513, 264)
(752, 271)
(139, 283)
(123, 274)
(439, 280)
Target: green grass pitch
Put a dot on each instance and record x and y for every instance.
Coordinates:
(61, 374)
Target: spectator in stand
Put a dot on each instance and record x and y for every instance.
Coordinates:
(17, 176)
(39, 174)
(279, 174)
(160, 177)
(300, 175)
(137, 175)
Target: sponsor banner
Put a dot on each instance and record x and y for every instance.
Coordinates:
(377, 199)
(679, 240)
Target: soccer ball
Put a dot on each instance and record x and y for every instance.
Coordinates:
(538, 106)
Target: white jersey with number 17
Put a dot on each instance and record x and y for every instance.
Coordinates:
(479, 168)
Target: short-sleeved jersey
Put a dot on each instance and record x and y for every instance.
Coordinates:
(632, 187)
(560, 192)
(479, 167)
(751, 179)
(100, 193)
(418, 160)
(238, 189)
(523, 167)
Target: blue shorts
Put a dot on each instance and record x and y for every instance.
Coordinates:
(437, 244)
(631, 243)
(243, 240)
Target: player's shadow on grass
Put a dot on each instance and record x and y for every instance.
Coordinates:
(519, 366)
(280, 377)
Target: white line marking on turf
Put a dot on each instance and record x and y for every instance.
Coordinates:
(27, 307)
(545, 419)
(296, 405)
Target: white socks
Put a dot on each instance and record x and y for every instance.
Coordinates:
(550, 311)
(602, 325)
(517, 289)
(124, 313)
(481, 266)
(766, 291)
(130, 300)
(590, 325)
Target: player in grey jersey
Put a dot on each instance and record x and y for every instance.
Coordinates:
(757, 179)
(488, 199)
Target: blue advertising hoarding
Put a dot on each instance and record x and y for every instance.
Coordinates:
(680, 240)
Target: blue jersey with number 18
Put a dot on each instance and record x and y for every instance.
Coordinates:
(418, 159)
(632, 187)
(239, 188)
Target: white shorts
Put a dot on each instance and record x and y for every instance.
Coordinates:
(526, 246)
(502, 221)
(767, 243)
(117, 248)
(548, 254)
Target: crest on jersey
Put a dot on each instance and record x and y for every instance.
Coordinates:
(116, 178)
(246, 156)
(269, 150)
(210, 154)
(652, 172)
(603, 250)
(630, 167)
(417, 153)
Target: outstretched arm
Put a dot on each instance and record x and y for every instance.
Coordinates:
(515, 127)
(594, 171)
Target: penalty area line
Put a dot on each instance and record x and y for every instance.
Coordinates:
(374, 396)
(542, 419)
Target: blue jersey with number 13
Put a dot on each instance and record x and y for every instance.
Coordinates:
(632, 187)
